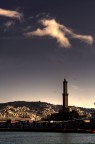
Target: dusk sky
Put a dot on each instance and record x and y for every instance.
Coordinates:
(41, 43)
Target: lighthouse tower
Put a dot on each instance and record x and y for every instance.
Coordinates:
(65, 95)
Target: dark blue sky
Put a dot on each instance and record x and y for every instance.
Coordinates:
(33, 68)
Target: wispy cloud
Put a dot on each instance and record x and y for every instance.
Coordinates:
(60, 32)
(86, 38)
(9, 24)
(77, 88)
(11, 14)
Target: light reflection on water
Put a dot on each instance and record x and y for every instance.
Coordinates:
(45, 138)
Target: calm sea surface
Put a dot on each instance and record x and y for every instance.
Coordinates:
(45, 138)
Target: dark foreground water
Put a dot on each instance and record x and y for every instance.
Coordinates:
(45, 138)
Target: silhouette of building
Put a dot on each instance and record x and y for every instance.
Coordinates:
(65, 94)
(65, 113)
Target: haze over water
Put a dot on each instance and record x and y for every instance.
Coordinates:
(45, 138)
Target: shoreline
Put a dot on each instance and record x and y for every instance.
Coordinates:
(47, 130)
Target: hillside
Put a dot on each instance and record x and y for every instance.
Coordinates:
(22, 109)
(35, 110)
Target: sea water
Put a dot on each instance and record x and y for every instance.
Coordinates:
(46, 138)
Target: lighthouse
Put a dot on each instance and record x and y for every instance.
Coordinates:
(65, 94)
